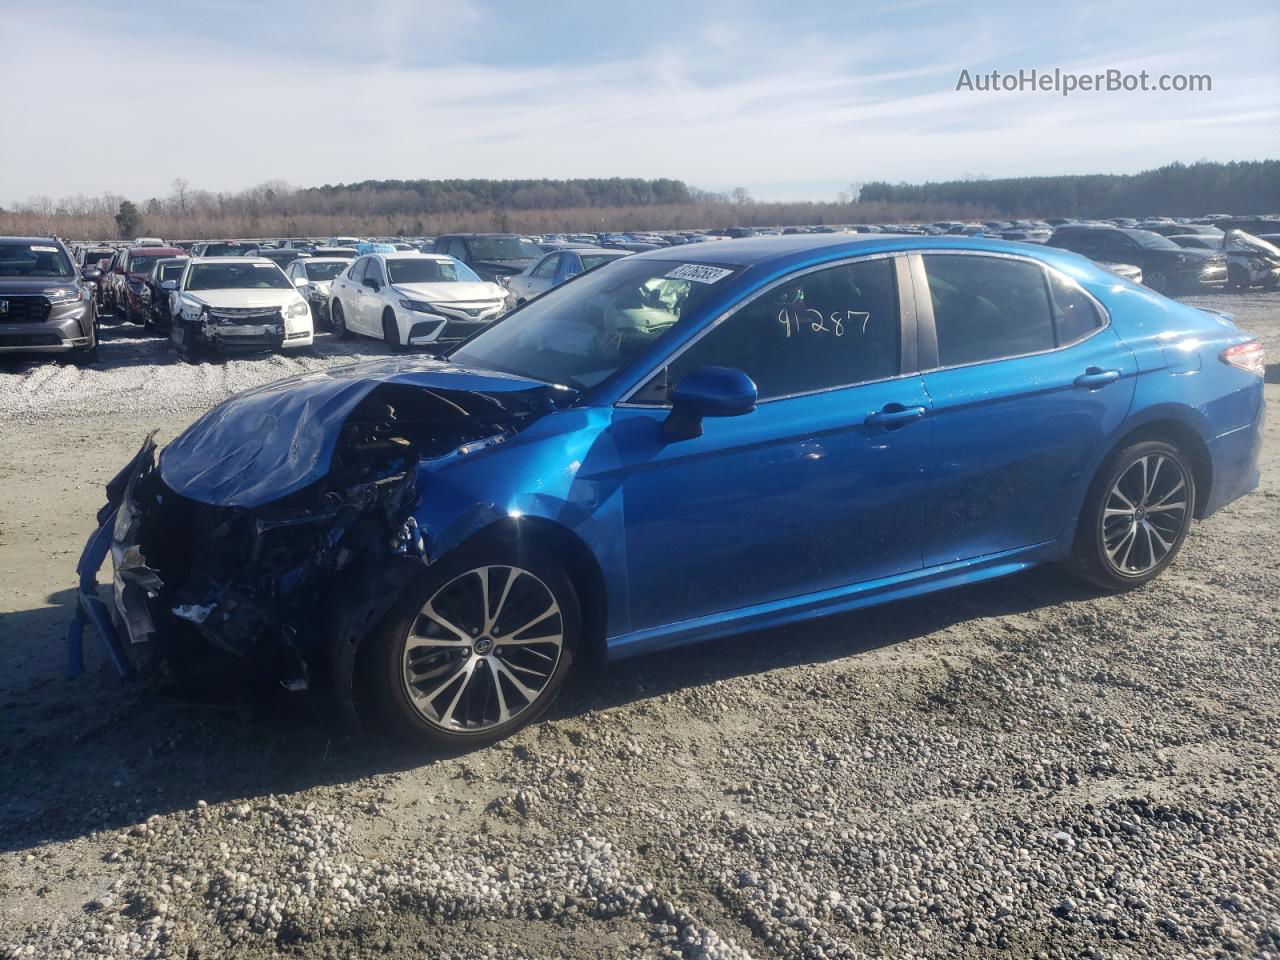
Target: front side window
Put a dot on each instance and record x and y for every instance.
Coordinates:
(579, 334)
(590, 261)
(237, 276)
(357, 269)
(829, 328)
(171, 271)
(986, 308)
(547, 268)
(374, 272)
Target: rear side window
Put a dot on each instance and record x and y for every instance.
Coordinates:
(986, 308)
(1074, 314)
(828, 328)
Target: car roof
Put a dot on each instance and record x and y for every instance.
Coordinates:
(197, 260)
(157, 251)
(788, 251)
(323, 259)
(16, 240)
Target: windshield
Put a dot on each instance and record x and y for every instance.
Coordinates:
(33, 260)
(427, 270)
(1149, 240)
(237, 276)
(1239, 240)
(144, 264)
(503, 248)
(325, 271)
(583, 332)
(228, 249)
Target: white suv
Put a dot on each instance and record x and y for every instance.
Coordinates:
(236, 303)
(412, 299)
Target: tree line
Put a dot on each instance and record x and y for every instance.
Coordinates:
(1178, 189)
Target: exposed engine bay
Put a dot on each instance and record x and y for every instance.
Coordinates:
(206, 592)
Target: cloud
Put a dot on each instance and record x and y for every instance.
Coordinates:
(718, 94)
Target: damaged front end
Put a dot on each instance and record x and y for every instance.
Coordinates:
(217, 579)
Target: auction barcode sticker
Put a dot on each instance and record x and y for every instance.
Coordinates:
(699, 273)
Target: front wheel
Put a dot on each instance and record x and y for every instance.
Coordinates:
(339, 319)
(1135, 517)
(478, 647)
(390, 330)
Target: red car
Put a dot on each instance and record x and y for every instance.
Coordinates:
(130, 276)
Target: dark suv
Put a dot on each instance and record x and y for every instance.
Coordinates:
(494, 256)
(1165, 266)
(45, 307)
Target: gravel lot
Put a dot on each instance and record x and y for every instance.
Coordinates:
(1024, 768)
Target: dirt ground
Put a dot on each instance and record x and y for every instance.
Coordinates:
(1025, 768)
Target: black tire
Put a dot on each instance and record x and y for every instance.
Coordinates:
(339, 320)
(188, 350)
(382, 661)
(390, 332)
(1158, 282)
(1091, 557)
(1237, 279)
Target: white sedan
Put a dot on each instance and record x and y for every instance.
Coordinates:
(227, 304)
(412, 299)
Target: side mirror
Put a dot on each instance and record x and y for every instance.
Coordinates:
(91, 273)
(301, 281)
(169, 285)
(372, 284)
(708, 392)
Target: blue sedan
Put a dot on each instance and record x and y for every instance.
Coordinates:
(679, 445)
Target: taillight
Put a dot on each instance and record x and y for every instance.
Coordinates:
(1247, 356)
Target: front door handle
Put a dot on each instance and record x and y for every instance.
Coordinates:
(894, 414)
(1097, 377)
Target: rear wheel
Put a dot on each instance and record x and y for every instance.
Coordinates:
(478, 647)
(1136, 516)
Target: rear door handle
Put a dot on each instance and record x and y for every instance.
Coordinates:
(894, 414)
(1097, 377)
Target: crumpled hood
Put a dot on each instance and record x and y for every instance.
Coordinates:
(274, 440)
(451, 291)
(244, 298)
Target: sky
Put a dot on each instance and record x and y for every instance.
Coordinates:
(792, 100)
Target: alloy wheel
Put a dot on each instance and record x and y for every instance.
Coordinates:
(1145, 513)
(482, 649)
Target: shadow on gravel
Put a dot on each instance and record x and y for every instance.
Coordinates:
(89, 754)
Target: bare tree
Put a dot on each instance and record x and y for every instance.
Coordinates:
(180, 191)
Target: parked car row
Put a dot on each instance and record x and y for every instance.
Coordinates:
(428, 292)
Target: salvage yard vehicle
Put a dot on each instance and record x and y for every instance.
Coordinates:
(282, 256)
(433, 542)
(135, 269)
(45, 305)
(226, 304)
(492, 256)
(1165, 266)
(412, 299)
(155, 294)
(555, 268)
(225, 248)
(313, 276)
